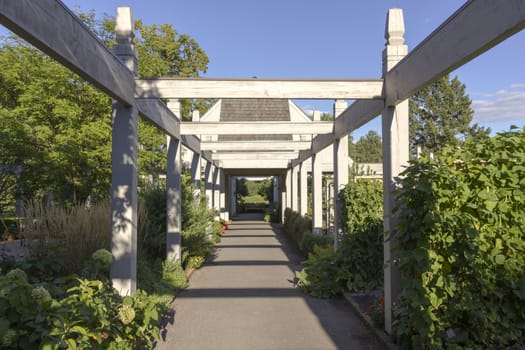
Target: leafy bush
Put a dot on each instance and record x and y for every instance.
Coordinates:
(320, 277)
(296, 225)
(361, 250)
(310, 241)
(462, 246)
(173, 273)
(88, 314)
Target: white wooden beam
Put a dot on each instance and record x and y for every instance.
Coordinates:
(159, 114)
(255, 146)
(53, 28)
(268, 155)
(255, 164)
(259, 88)
(253, 128)
(359, 113)
(473, 29)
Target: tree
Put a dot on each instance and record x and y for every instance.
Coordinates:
(326, 117)
(55, 128)
(369, 148)
(441, 114)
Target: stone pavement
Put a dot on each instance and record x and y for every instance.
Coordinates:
(244, 298)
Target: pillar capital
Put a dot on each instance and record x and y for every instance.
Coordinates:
(125, 33)
(395, 48)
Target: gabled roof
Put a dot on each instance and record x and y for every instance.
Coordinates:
(239, 110)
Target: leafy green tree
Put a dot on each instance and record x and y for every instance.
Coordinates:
(326, 117)
(369, 148)
(55, 129)
(440, 114)
(265, 189)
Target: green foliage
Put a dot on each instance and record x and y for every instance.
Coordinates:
(439, 113)
(310, 241)
(321, 277)
(265, 189)
(194, 262)
(173, 273)
(462, 247)
(86, 315)
(361, 249)
(369, 149)
(296, 225)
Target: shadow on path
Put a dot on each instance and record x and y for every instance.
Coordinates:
(245, 298)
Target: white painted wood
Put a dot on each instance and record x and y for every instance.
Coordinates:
(53, 28)
(255, 164)
(470, 31)
(317, 195)
(269, 155)
(196, 171)
(160, 115)
(124, 197)
(208, 176)
(259, 88)
(173, 201)
(395, 131)
(295, 189)
(255, 146)
(123, 272)
(288, 188)
(192, 142)
(303, 187)
(254, 128)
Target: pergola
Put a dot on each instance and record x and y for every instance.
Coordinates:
(49, 25)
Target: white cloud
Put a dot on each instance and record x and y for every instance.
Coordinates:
(502, 105)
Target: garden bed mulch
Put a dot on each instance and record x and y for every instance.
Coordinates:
(360, 303)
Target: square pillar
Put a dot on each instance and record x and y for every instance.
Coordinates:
(224, 214)
(216, 190)
(303, 188)
(173, 200)
(208, 187)
(340, 173)
(123, 271)
(196, 172)
(395, 131)
(173, 192)
(295, 189)
(233, 195)
(288, 188)
(317, 195)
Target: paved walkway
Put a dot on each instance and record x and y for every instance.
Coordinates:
(245, 299)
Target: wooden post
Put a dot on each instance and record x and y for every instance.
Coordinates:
(395, 132)
(288, 188)
(208, 175)
(295, 188)
(173, 188)
(340, 171)
(123, 272)
(303, 188)
(317, 195)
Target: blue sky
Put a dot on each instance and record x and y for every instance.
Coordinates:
(328, 39)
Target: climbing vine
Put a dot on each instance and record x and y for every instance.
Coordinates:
(462, 247)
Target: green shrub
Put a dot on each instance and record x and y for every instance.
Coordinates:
(296, 225)
(88, 314)
(310, 241)
(320, 276)
(361, 249)
(462, 247)
(174, 275)
(194, 262)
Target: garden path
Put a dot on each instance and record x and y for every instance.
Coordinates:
(244, 298)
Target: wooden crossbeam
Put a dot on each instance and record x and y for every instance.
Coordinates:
(259, 88)
(53, 28)
(240, 156)
(255, 146)
(473, 29)
(158, 113)
(253, 128)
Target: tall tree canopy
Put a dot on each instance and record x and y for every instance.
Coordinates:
(55, 129)
(441, 114)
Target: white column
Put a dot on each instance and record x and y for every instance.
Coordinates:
(317, 195)
(233, 195)
(282, 191)
(222, 196)
(216, 191)
(173, 189)
(340, 172)
(295, 189)
(123, 272)
(196, 172)
(395, 133)
(208, 175)
(303, 188)
(288, 188)
(276, 190)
